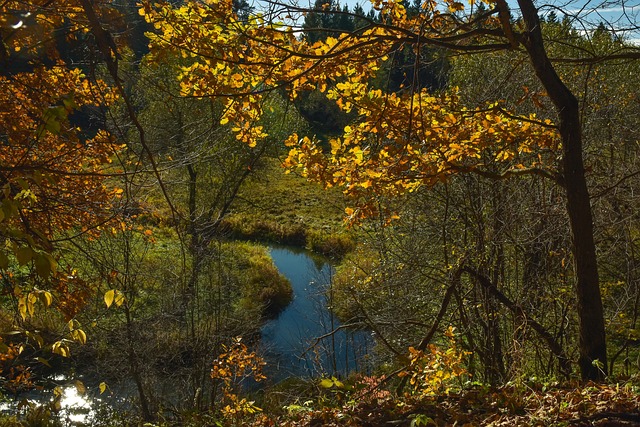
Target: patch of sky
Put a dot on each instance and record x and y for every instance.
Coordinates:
(621, 17)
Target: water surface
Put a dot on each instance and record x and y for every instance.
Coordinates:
(299, 341)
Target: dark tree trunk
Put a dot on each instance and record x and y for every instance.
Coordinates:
(590, 312)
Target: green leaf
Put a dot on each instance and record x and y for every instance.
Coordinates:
(53, 126)
(43, 266)
(9, 208)
(24, 255)
(43, 361)
(52, 261)
(36, 337)
(23, 183)
(37, 177)
(422, 420)
(68, 102)
(52, 120)
(4, 260)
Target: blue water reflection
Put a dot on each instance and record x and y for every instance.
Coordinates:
(298, 342)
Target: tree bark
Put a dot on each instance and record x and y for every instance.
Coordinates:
(593, 353)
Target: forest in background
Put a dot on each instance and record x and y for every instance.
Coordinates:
(470, 169)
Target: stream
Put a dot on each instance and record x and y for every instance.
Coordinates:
(298, 342)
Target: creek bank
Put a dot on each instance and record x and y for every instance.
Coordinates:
(296, 342)
(331, 244)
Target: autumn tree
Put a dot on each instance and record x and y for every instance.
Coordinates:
(54, 172)
(401, 142)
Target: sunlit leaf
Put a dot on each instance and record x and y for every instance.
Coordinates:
(326, 383)
(119, 298)
(80, 336)
(109, 296)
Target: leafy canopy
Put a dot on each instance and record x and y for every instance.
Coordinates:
(53, 174)
(398, 142)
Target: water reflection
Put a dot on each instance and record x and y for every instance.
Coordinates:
(68, 401)
(76, 407)
(300, 342)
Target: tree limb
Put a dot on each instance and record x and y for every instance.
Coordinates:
(554, 346)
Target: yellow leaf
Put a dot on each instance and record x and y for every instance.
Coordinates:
(46, 298)
(326, 383)
(109, 296)
(102, 387)
(31, 303)
(80, 336)
(456, 6)
(22, 307)
(358, 153)
(119, 298)
(60, 348)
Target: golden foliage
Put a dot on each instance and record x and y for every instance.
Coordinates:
(432, 371)
(399, 141)
(230, 368)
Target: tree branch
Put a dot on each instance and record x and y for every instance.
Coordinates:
(554, 346)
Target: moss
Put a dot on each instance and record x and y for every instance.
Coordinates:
(332, 245)
(244, 226)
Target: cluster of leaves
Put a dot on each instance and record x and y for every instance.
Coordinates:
(400, 141)
(30, 24)
(53, 182)
(383, 157)
(54, 175)
(506, 406)
(13, 377)
(231, 368)
(432, 371)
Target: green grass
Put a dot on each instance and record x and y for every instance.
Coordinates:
(262, 286)
(286, 209)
